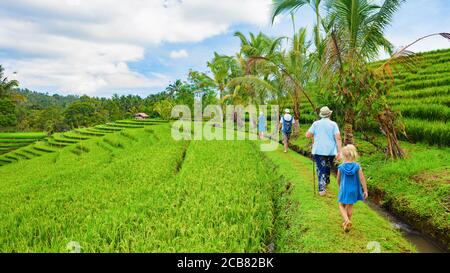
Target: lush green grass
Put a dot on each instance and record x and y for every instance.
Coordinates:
(12, 141)
(415, 188)
(133, 191)
(33, 135)
(431, 132)
(421, 95)
(424, 202)
(138, 190)
(314, 223)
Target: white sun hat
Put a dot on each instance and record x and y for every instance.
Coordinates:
(325, 112)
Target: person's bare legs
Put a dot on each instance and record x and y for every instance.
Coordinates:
(349, 211)
(343, 210)
(286, 143)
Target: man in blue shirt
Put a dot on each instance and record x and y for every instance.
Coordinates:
(327, 144)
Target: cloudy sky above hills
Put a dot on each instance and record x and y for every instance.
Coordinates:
(101, 47)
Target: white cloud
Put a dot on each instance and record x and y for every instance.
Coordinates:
(84, 46)
(177, 54)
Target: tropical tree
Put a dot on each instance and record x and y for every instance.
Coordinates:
(297, 72)
(173, 88)
(254, 84)
(286, 71)
(321, 25)
(7, 100)
(354, 35)
(223, 68)
(356, 38)
(6, 86)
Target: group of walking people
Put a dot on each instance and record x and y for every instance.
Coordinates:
(326, 148)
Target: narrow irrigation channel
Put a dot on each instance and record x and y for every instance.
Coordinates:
(422, 242)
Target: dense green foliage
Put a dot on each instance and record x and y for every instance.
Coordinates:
(24, 110)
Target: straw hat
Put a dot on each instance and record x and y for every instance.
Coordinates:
(325, 112)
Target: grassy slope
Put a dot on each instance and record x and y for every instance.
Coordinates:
(315, 222)
(32, 135)
(96, 199)
(12, 141)
(423, 204)
(415, 188)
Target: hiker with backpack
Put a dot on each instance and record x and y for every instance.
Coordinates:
(286, 123)
(327, 144)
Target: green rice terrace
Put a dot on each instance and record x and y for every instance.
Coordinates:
(422, 94)
(92, 160)
(13, 141)
(127, 186)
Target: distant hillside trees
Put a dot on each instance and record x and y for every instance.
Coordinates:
(27, 110)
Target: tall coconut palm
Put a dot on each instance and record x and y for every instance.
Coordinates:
(223, 68)
(6, 86)
(257, 45)
(356, 38)
(292, 6)
(296, 71)
(254, 83)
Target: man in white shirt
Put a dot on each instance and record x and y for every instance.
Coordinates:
(286, 126)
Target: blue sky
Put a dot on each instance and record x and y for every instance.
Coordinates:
(98, 48)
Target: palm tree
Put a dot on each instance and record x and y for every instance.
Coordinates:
(355, 39)
(6, 86)
(292, 6)
(223, 68)
(253, 84)
(354, 36)
(296, 72)
(173, 88)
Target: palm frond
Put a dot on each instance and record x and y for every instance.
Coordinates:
(445, 35)
(253, 81)
(284, 6)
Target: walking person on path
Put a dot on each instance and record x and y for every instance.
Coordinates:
(327, 144)
(261, 125)
(286, 123)
(352, 183)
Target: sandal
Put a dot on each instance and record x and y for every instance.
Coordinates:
(348, 226)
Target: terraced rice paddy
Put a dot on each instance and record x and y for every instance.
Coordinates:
(10, 142)
(24, 146)
(423, 97)
(138, 190)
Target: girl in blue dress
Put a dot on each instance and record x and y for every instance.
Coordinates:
(261, 125)
(352, 185)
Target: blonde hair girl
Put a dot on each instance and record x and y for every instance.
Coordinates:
(351, 183)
